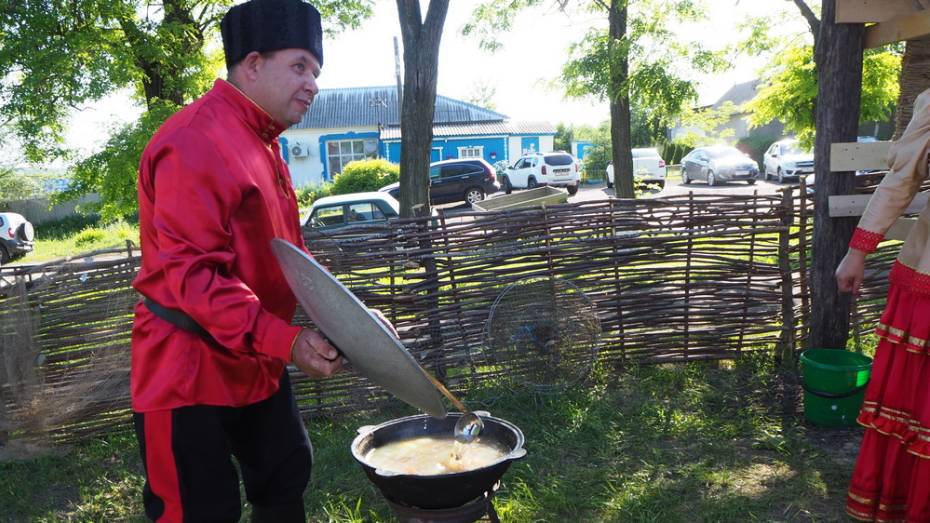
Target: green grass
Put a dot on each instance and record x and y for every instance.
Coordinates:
(77, 235)
(683, 443)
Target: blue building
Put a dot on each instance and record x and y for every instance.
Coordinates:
(350, 124)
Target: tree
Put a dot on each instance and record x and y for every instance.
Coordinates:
(482, 94)
(789, 90)
(635, 61)
(421, 62)
(838, 56)
(564, 136)
(57, 55)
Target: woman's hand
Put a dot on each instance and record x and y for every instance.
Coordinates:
(850, 272)
(314, 355)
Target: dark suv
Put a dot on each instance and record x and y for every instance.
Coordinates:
(468, 179)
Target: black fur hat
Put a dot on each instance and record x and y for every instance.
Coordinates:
(269, 25)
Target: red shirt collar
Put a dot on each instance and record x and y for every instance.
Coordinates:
(266, 127)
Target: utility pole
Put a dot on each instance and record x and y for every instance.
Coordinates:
(400, 86)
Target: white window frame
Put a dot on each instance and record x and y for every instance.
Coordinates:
(471, 151)
(351, 155)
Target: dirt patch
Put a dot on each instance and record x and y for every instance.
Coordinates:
(840, 444)
(18, 450)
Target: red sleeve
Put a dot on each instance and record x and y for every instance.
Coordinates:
(865, 241)
(195, 199)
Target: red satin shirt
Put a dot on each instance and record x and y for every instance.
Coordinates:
(213, 192)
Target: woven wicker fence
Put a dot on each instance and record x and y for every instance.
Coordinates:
(870, 304)
(677, 279)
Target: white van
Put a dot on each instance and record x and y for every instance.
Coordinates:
(648, 167)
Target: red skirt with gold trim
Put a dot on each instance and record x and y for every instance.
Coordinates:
(891, 481)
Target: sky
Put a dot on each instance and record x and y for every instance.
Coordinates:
(522, 73)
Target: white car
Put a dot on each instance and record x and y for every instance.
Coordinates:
(344, 210)
(648, 167)
(533, 170)
(785, 159)
(17, 236)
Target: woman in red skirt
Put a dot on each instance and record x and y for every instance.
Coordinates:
(891, 481)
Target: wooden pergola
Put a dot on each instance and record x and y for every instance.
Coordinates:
(848, 27)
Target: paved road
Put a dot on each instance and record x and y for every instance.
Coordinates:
(589, 193)
(601, 192)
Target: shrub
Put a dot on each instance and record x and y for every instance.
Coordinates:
(311, 193)
(673, 152)
(365, 175)
(124, 231)
(755, 145)
(88, 236)
(595, 162)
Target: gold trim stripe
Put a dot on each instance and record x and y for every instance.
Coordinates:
(902, 334)
(892, 508)
(859, 499)
(861, 516)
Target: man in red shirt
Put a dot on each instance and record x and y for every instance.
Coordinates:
(212, 338)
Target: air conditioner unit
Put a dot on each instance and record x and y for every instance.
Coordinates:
(299, 150)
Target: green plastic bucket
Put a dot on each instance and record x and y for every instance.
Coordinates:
(834, 384)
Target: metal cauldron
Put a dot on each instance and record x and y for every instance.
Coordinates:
(436, 491)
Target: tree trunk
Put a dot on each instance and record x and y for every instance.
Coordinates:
(620, 140)
(839, 79)
(421, 64)
(915, 78)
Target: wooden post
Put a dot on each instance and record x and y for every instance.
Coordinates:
(432, 287)
(784, 355)
(750, 269)
(614, 243)
(839, 67)
(803, 286)
(688, 273)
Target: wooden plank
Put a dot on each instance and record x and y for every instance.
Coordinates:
(864, 11)
(897, 29)
(854, 205)
(900, 229)
(853, 156)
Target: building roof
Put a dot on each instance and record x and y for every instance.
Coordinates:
(370, 106)
(478, 129)
(739, 93)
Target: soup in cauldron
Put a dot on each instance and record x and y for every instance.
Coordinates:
(430, 455)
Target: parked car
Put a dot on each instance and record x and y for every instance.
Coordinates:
(718, 163)
(648, 167)
(785, 159)
(468, 179)
(16, 236)
(344, 210)
(558, 169)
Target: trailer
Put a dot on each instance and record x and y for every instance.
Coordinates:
(538, 197)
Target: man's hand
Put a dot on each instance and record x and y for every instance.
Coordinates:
(378, 314)
(850, 272)
(314, 355)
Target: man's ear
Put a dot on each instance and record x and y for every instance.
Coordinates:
(251, 64)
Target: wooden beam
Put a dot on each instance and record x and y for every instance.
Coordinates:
(854, 205)
(864, 11)
(897, 29)
(853, 156)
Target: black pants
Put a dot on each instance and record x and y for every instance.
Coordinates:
(187, 453)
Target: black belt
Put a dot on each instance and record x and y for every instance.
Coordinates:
(179, 319)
